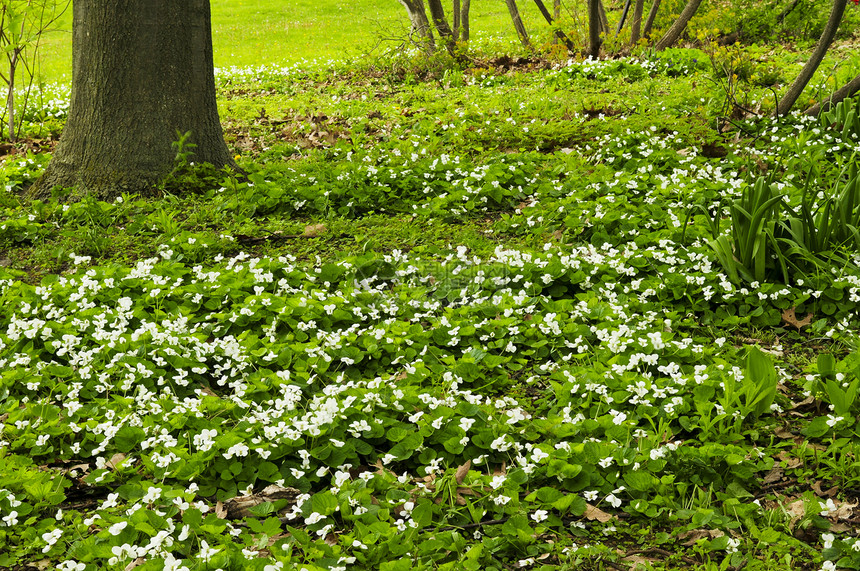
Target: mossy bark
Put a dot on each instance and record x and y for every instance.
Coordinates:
(142, 72)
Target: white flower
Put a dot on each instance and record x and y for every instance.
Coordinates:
(206, 552)
(497, 481)
(613, 500)
(540, 515)
(116, 528)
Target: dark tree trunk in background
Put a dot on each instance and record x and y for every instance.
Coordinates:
(559, 35)
(518, 24)
(604, 20)
(790, 98)
(594, 26)
(437, 12)
(464, 21)
(649, 21)
(636, 24)
(844, 92)
(456, 19)
(672, 35)
(420, 23)
(142, 71)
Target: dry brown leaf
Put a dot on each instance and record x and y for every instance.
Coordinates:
(240, 506)
(462, 471)
(220, 511)
(85, 468)
(638, 561)
(501, 471)
(695, 535)
(314, 230)
(804, 402)
(774, 475)
(207, 391)
(783, 433)
(115, 460)
(843, 510)
(816, 487)
(797, 511)
(135, 563)
(789, 317)
(594, 513)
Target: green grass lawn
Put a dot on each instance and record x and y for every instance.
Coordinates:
(273, 32)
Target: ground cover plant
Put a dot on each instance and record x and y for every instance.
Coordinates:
(523, 313)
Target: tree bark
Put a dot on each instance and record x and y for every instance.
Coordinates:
(636, 24)
(672, 35)
(623, 18)
(420, 23)
(649, 21)
(844, 92)
(559, 35)
(464, 21)
(437, 12)
(604, 20)
(790, 98)
(594, 26)
(518, 24)
(142, 72)
(456, 19)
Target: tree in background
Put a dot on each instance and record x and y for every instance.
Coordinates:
(22, 25)
(790, 98)
(594, 27)
(142, 73)
(420, 24)
(674, 32)
(518, 24)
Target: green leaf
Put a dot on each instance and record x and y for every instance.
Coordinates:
(324, 503)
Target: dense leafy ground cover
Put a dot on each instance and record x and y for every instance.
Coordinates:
(472, 319)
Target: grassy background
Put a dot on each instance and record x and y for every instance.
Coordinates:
(255, 32)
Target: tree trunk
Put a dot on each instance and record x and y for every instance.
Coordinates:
(636, 24)
(464, 21)
(518, 24)
(788, 100)
(142, 72)
(649, 21)
(623, 19)
(604, 21)
(437, 12)
(420, 23)
(559, 35)
(671, 36)
(844, 92)
(594, 26)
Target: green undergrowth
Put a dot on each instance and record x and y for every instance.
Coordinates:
(480, 319)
